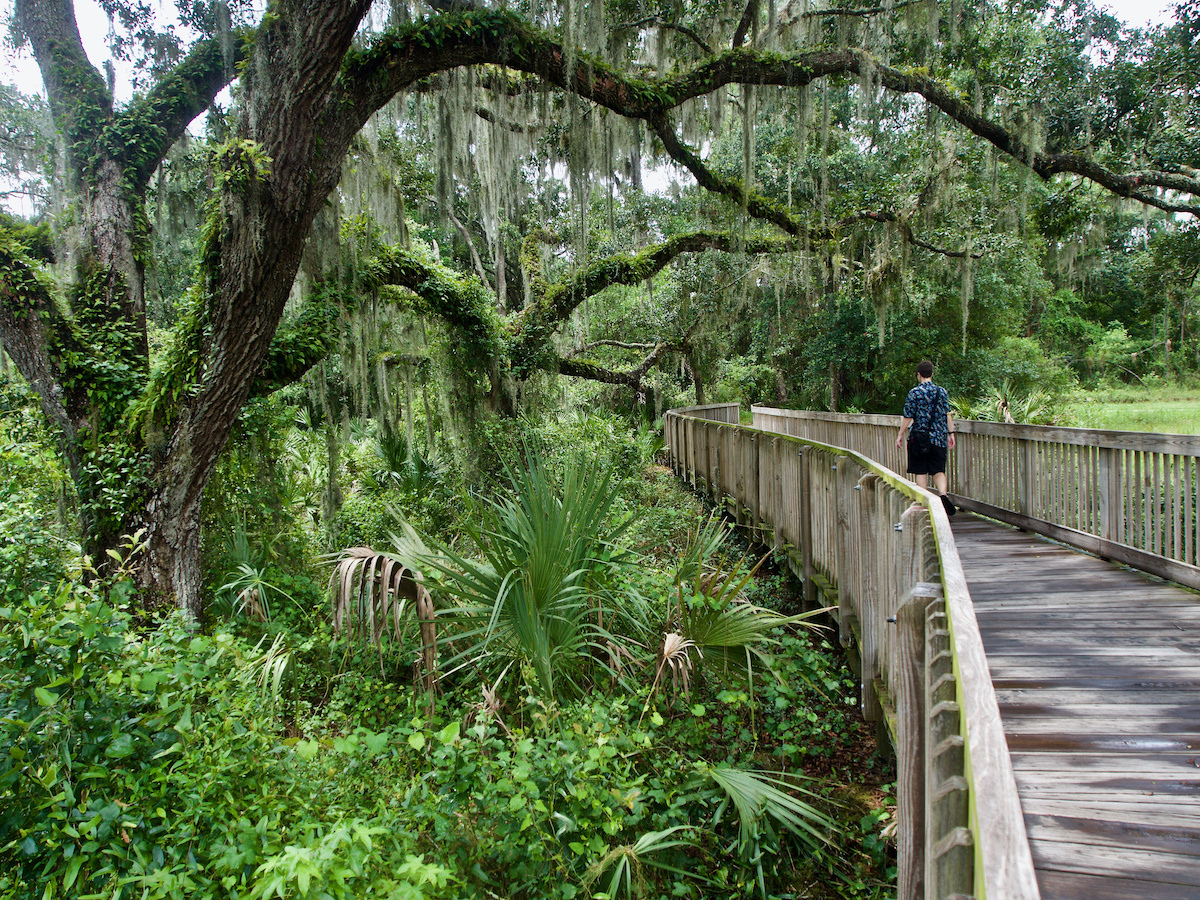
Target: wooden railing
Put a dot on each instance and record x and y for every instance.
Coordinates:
(880, 548)
(1126, 496)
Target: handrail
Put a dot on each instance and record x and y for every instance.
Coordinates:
(717, 412)
(1126, 496)
(885, 547)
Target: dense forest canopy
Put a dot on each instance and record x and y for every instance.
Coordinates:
(478, 205)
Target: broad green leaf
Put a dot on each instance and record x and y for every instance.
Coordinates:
(45, 697)
(375, 742)
(72, 872)
(306, 750)
(121, 747)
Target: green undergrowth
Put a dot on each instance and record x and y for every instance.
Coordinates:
(271, 759)
(153, 765)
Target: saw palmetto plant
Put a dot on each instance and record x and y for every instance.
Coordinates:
(540, 593)
(709, 619)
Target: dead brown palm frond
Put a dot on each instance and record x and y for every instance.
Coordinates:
(249, 602)
(677, 657)
(371, 592)
(620, 656)
(491, 707)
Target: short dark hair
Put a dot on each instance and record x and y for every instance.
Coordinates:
(925, 368)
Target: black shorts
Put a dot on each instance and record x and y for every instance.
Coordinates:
(928, 460)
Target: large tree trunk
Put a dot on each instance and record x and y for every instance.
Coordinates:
(151, 472)
(172, 568)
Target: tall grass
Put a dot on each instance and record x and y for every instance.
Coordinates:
(1164, 408)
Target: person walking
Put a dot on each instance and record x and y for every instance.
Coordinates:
(930, 426)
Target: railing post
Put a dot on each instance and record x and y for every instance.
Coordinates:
(869, 603)
(718, 490)
(739, 481)
(963, 463)
(707, 433)
(806, 531)
(669, 440)
(1109, 489)
(949, 846)
(910, 752)
(708, 459)
(689, 444)
(754, 493)
(843, 574)
(1027, 476)
(777, 496)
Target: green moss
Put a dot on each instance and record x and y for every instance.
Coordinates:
(461, 301)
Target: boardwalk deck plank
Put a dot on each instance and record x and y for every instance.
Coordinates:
(1097, 672)
(1077, 886)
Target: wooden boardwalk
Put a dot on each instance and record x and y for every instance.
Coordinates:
(1097, 672)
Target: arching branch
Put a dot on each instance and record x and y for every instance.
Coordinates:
(174, 102)
(577, 368)
(620, 345)
(760, 207)
(754, 203)
(857, 13)
(476, 37)
(562, 298)
(300, 343)
(660, 22)
(459, 300)
(33, 332)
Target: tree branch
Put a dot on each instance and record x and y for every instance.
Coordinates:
(660, 22)
(753, 202)
(760, 207)
(76, 91)
(460, 301)
(32, 330)
(578, 368)
(488, 116)
(562, 298)
(743, 26)
(300, 343)
(620, 345)
(403, 57)
(872, 11)
(161, 116)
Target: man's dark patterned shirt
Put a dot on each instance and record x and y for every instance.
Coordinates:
(927, 405)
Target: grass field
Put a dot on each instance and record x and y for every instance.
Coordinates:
(1170, 409)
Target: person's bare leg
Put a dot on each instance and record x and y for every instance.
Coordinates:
(939, 481)
(923, 480)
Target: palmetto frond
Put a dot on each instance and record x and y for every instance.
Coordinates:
(676, 656)
(624, 864)
(269, 667)
(536, 595)
(370, 595)
(709, 611)
(765, 800)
